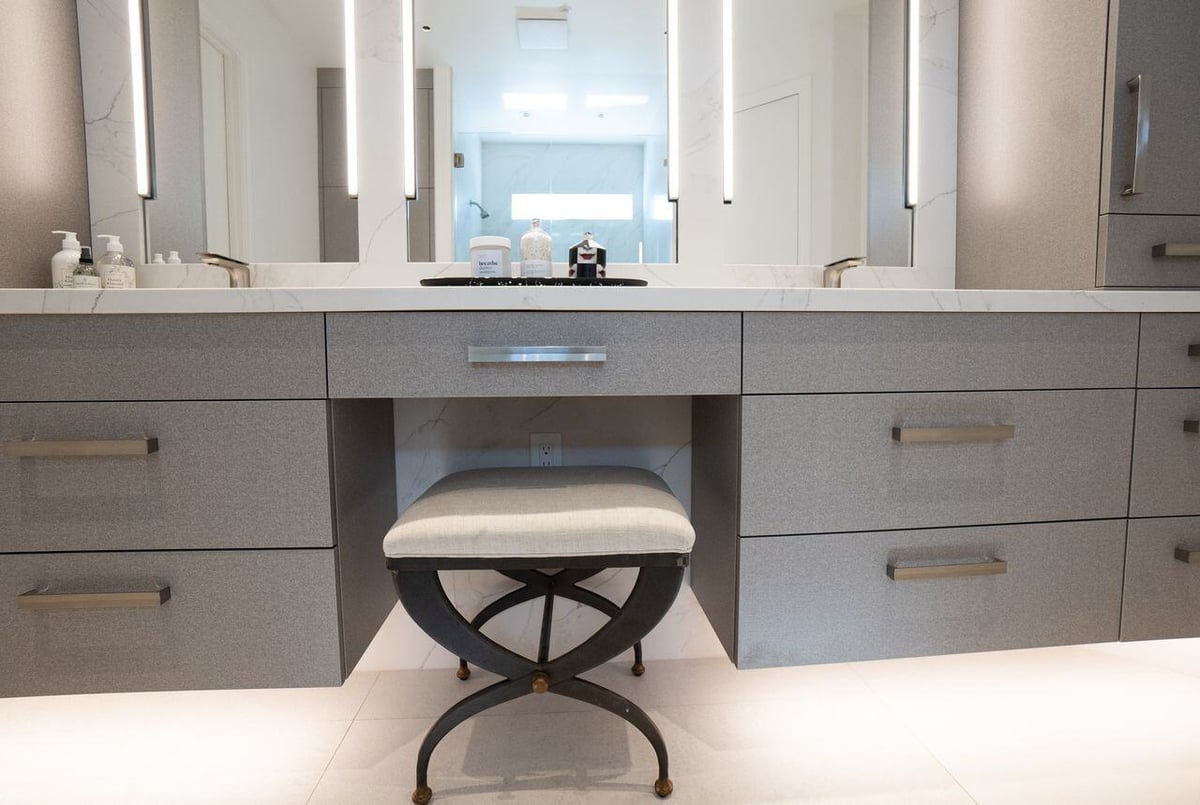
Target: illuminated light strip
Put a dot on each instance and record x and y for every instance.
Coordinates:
(351, 57)
(727, 99)
(408, 47)
(912, 113)
(141, 116)
(673, 100)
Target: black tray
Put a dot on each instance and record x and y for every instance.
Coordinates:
(441, 282)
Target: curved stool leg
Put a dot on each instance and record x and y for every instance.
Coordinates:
(581, 595)
(618, 705)
(506, 601)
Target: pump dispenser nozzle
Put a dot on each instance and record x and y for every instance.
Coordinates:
(114, 243)
(70, 239)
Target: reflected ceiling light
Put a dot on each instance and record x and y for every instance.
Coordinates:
(351, 99)
(141, 100)
(408, 47)
(672, 100)
(912, 97)
(727, 100)
(535, 101)
(599, 101)
(542, 28)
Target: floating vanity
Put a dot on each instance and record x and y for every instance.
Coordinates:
(874, 473)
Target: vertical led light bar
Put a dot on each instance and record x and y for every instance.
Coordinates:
(672, 100)
(408, 47)
(727, 99)
(912, 96)
(141, 104)
(350, 46)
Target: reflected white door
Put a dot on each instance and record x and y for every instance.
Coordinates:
(216, 155)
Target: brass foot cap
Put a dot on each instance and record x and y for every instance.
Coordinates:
(663, 787)
(424, 793)
(464, 673)
(541, 682)
(638, 669)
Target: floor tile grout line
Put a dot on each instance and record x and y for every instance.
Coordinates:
(349, 726)
(908, 727)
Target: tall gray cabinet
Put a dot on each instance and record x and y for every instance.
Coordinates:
(1078, 132)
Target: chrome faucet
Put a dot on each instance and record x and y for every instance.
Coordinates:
(239, 272)
(832, 278)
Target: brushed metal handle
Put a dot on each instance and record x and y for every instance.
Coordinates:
(963, 433)
(947, 570)
(36, 600)
(1194, 350)
(1191, 426)
(1175, 250)
(1187, 555)
(531, 354)
(1139, 85)
(43, 448)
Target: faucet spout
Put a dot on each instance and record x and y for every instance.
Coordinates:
(832, 276)
(239, 272)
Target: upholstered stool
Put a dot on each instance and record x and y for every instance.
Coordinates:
(519, 521)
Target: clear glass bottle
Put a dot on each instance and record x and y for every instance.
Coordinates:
(536, 248)
(115, 269)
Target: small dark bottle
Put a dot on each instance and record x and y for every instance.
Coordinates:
(587, 259)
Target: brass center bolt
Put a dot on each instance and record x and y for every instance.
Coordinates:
(541, 682)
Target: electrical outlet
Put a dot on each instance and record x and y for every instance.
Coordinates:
(545, 449)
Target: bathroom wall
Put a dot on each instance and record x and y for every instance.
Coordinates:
(437, 437)
(43, 168)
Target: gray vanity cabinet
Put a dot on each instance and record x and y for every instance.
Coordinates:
(1090, 178)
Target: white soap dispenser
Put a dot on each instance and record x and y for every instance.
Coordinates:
(115, 269)
(62, 264)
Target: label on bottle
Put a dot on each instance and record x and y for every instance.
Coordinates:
(536, 268)
(85, 281)
(488, 262)
(62, 276)
(114, 276)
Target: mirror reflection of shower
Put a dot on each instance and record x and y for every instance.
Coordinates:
(482, 212)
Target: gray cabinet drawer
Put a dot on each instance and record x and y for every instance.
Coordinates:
(1166, 458)
(1162, 592)
(242, 474)
(426, 354)
(1163, 358)
(162, 357)
(1125, 258)
(830, 462)
(787, 353)
(828, 598)
(235, 619)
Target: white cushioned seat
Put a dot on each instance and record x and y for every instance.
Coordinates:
(537, 512)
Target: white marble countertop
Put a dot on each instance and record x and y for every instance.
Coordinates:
(349, 287)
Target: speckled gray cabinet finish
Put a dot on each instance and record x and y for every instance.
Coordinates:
(828, 598)
(1166, 459)
(1162, 594)
(425, 354)
(1163, 359)
(241, 474)
(235, 619)
(788, 353)
(162, 357)
(816, 463)
(1126, 246)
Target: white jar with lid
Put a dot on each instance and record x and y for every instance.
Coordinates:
(491, 256)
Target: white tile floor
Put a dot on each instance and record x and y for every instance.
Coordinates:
(1110, 723)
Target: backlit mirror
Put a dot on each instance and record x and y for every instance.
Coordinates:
(819, 148)
(551, 112)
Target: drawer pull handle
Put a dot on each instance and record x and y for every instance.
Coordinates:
(42, 448)
(1194, 350)
(969, 433)
(537, 354)
(1188, 555)
(1175, 250)
(36, 601)
(951, 570)
(1191, 426)
(1139, 85)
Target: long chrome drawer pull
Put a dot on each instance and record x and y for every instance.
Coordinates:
(1139, 85)
(1175, 250)
(968, 433)
(950, 570)
(1187, 555)
(1191, 426)
(36, 600)
(42, 448)
(1194, 350)
(537, 354)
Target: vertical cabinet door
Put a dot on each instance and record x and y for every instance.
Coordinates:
(1157, 40)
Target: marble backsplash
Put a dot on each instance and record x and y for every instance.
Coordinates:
(438, 437)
